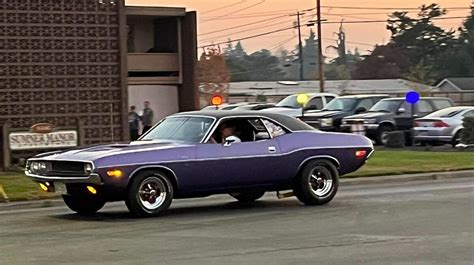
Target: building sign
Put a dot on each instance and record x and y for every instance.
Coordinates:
(52, 140)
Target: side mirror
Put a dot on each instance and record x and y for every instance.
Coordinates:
(360, 110)
(401, 110)
(229, 140)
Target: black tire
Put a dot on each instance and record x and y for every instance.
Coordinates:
(83, 205)
(380, 137)
(150, 193)
(317, 189)
(249, 196)
(456, 139)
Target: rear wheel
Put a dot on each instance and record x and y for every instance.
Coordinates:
(317, 184)
(149, 194)
(83, 205)
(382, 134)
(249, 196)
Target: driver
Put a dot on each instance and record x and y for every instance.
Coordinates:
(227, 129)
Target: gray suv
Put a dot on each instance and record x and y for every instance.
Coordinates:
(394, 114)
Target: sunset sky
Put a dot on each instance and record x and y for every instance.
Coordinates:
(216, 15)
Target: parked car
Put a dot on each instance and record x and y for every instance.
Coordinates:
(442, 126)
(290, 107)
(178, 158)
(329, 118)
(394, 114)
(256, 106)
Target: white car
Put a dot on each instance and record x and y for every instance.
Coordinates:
(290, 107)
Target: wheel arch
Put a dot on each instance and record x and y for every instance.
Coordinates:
(329, 158)
(169, 173)
(387, 123)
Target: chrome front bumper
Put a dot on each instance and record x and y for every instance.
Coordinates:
(91, 179)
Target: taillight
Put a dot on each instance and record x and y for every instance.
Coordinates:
(416, 124)
(360, 153)
(440, 124)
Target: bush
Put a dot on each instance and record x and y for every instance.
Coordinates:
(468, 131)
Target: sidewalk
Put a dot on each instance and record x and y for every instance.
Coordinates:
(343, 182)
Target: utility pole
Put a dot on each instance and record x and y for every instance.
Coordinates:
(320, 50)
(300, 48)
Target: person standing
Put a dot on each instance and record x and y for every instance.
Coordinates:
(147, 117)
(133, 123)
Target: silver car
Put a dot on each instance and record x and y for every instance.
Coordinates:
(442, 126)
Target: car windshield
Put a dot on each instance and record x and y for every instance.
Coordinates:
(185, 129)
(386, 106)
(289, 102)
(344, 104)
(445, 113)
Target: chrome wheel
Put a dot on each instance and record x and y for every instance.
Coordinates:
(152, 193)
(320, 181)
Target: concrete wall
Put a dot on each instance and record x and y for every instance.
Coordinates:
(163, 99)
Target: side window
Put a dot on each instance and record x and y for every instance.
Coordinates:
(261, 132)
(274, 129)
(365, 103)
(315, 103)
(469, 114)
(424, 106)
(329, 98)
(442, 103)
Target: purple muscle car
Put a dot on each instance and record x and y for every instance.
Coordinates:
(197, 154)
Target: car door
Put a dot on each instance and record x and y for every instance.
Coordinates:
(239, 164)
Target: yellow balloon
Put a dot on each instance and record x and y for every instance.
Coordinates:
(302, 99)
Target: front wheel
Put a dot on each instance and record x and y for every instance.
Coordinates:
(249, 196)
(83, 205)
(457, 138)
(382, 134)
(149, 194)
(317, 184)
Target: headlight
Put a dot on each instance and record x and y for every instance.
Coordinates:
(370, 121)
(344, 122)
(326, 122)
(35, 166)
(42, 166)
(88, 168)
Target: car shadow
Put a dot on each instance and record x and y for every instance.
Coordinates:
(224, 209)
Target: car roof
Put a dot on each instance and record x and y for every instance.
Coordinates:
(311, 94)
(420, 98)
(289, 122)
(365, 96)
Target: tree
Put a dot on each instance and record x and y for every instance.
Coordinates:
(213, 75)
(385, 62)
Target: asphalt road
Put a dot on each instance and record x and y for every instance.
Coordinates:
(424, 222)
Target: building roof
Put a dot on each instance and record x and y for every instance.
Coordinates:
(331, 86)
(460, 83)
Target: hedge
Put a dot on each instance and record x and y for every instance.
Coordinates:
(467, 136)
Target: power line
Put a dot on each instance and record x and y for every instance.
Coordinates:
(388, 8)
(265, 13)
(242, 25)
(223, 7)
(385, 21)
(236, 11)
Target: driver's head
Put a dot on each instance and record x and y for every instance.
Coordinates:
(227, 129)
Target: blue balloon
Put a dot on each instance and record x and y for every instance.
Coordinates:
(412, 97)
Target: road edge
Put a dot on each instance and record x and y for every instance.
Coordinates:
(8, 206)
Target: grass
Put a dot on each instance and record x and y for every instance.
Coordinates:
(407, 162)
(18, 187)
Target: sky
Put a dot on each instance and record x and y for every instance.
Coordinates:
(231, 16)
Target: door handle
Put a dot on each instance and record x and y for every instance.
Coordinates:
(271, 149)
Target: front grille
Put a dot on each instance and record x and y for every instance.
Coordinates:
(65, 166)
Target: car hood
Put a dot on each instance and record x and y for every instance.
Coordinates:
(93, 153)
(369, 115)
(324, 113)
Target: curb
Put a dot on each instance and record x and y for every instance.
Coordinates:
(407, 177)
(343, 181)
